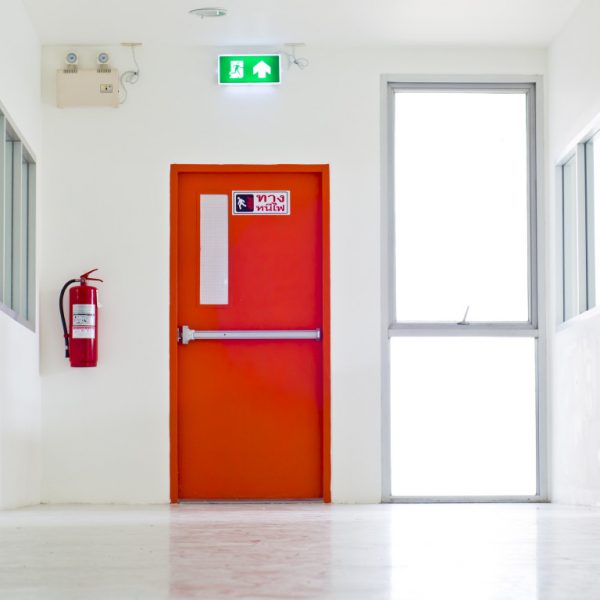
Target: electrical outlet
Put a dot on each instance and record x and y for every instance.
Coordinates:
(106, 88)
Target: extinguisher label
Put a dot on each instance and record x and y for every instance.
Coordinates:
(84, 321)
(86, 333)
(84, 309)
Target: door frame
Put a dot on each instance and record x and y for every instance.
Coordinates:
(181, 169)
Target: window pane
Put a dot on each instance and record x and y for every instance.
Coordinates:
(461, 206)
(570, 242)
(31, 244)
(17, 239)
(463, 416)
(8, 223)
(24, 237)
(593, 215)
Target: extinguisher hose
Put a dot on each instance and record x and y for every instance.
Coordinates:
(62, 314)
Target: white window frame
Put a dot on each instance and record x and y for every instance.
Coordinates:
(23, 224)
(533, 328)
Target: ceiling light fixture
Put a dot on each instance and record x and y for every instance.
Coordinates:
(208, 12)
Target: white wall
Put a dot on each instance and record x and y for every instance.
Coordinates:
(107, 193)
(574, 101)
(20, 408)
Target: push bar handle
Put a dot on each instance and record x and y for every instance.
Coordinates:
(187, 335)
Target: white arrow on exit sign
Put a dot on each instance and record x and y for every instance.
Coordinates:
(262, 69)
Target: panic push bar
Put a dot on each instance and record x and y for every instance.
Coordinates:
(187, 335)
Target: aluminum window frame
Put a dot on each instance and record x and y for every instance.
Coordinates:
(585, 290)
(22, 306)
(533, 328)
(566, 272)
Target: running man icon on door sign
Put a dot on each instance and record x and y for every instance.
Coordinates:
(236, 70)
(244, 203)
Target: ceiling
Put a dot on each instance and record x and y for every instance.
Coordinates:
(323, 22)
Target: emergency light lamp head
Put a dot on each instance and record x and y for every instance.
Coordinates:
(71, 58)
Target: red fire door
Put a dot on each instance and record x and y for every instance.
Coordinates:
(249, 332)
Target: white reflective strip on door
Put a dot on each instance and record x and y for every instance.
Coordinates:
(214, 249)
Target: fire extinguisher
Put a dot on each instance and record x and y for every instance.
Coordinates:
(81, 342)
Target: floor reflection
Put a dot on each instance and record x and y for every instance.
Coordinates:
(464, 551)
(301, 551)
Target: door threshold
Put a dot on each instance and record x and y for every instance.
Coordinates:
(243, 501)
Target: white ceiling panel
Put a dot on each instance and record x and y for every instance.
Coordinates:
(261, 22)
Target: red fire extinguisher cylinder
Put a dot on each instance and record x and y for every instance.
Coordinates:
(81, 339)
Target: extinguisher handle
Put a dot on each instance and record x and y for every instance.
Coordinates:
(87, 277)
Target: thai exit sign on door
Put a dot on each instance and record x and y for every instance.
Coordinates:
(249, 69)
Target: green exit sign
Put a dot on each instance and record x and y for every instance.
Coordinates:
(249, 69)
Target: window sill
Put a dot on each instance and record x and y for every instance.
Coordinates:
(15, 317)
(577, 319)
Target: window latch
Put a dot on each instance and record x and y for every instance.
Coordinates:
(464, 319)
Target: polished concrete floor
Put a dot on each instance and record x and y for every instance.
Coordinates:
(441, 552)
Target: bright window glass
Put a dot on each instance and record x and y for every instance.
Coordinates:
(24, 227)
(461, 206)
(571, 255)
(463, 416)
(593, 215)
(7, 263)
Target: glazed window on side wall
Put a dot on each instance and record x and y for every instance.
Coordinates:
(580, 227)
(17, 226)
(464, 331)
